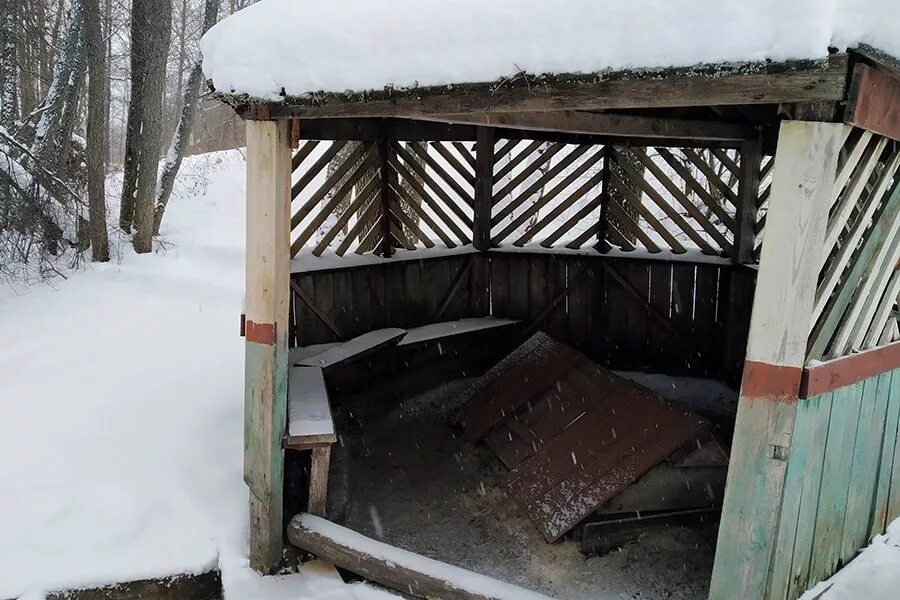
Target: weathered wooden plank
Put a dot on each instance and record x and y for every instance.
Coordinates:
(887, 458)
(806, 160)
(484, 178)
(748, 192)
(204, 586)
(893, 511)
(398, 569)
(267, 304)
(873, 99)
(318, 480)
(755, 83)
(835, 481)
(607, 124)
(864, 469)
(803, 479)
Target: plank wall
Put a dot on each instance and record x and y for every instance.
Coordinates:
(653, 315)
(842, 484)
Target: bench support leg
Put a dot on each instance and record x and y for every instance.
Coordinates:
(318, 480)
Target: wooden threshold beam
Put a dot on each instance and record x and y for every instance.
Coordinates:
(589, 123)
(704, 85)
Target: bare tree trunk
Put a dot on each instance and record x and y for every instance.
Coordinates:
(47, 139)
(96, 131)
(9, 93)
(182, 133)
(150, 35)
(107, 34)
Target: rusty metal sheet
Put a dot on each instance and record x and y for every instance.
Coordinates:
(575, 435)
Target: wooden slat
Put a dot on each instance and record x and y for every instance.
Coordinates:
(484, 169)
(430, 182)
(648, 216)
(883, 314)
(726, 160)
(454, 163)
(506, 190)
(662, 203)
(316, 168)
(463, 193)
(332, 202)
(331, 182)
(682, 199)
(373, 237)
(849, 163)
(842, 257)
(362, 198)
(851, 195)
(302, 153)
(625, 221)
(712, 177)
(505, 149)
(560, 208)
(698, 188)
(451, 291)
(541, 182)
(426, 197)
(464, 153)
(372, 209)
(536, 206)
(422, 214)
(515, 161)
(885, 229)
(410, 224)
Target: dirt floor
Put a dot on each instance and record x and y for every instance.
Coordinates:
(410, 482)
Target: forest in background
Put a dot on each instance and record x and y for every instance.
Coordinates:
(88, 87)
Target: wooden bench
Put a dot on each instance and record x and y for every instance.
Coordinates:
(311, 427)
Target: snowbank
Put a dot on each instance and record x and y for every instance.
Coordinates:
(122, 398)
(875, 573)
(304, 46)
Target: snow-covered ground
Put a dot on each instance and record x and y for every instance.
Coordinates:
(121, 390)
(121, 437)
(873, 575)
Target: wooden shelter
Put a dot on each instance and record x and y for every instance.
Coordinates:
(736, 221)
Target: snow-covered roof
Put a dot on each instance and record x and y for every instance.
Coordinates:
(278, 48)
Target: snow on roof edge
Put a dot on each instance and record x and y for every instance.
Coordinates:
(299, 49)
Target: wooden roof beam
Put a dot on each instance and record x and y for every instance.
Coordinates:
(710, 85)
(589, 123)
(874, 101)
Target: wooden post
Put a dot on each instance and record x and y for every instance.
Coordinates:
(318, 480)
(484, 187)
(266, 375)
(805, 166)
(748, 194)
(388, 179)
(608, 158)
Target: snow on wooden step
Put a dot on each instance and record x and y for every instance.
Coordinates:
(303, 352)
(394, 567)
(309, 415)
(355, 348)
(436, 331)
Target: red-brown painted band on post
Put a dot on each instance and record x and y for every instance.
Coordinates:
(848, 370)
(777, 382)
(260, 333)
(873, 102)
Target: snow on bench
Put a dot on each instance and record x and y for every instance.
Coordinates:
(354, 349)
(396, 568)
(439, 331)
(309, 415)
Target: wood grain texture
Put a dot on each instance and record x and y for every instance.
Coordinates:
(874, 101)
(267, 302)
(805, 163)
